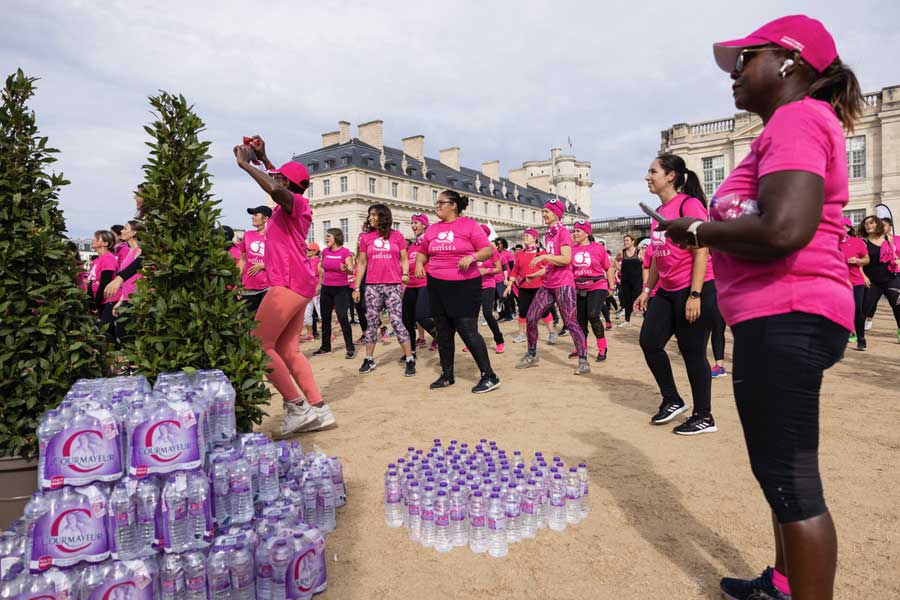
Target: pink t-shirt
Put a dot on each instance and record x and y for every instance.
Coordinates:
(127, 288)
(121, 250)
(648, 260)
(411, 253)
(253, 247)
(107, 262)
(489, 281)
(285, 258)
(801, 136)
(332, 260)
(506, 260)
(854, 247)
(446, 243)
(676, 265)
(590, 261)
(382, 256)
(554, 240)
(314, 262)
(235, 252)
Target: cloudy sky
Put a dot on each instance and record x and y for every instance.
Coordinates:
(502, 80)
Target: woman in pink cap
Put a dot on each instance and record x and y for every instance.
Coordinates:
(558, 286)
(490, 269)
(292, 286)
(856, 256)
(416, 308)
(775, 232)
(526, 280)
(383, 262)
(448, 256)
(593, 272)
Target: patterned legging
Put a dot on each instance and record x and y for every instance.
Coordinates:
(565, 299)
(378, 297)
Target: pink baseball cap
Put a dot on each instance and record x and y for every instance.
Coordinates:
(795, 32)
(421, 218)
(294, 172)
(582, 225)
(555, 206)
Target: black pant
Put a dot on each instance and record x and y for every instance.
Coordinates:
(630, 290)
(253, 300)
(108, 323)
(526, 297)
(336, 297)
(665, 317)
(891, 290)
(778, 367)
(457, 298)
(417, 309)
(590, 306)
(487, 309)
(361, 306)
(859, 312)
(718, 333)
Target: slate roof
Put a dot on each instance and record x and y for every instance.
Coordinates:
(358, 154)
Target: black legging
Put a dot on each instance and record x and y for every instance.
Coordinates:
(630, 290)
(717, 337)
(107, 323)
(876, 296)
(589, 307)
(417, 309)
(361, 305)
(336, 297)
(665, 317)
(487, 310)
(891, 290)
(457, 298)
(859, 312)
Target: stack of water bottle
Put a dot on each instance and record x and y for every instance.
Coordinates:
(151, 493)
(457, 495)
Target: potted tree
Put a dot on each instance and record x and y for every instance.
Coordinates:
(184, 314)
(47, 336)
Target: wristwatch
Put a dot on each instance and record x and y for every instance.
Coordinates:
(695, 294)
(692, 229)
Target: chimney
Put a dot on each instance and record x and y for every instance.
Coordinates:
(372, 133)
(345, 131)
(415, 147)
(519, 176)
(331, 138)
(450, 157)
(491, 169)
(555, 153)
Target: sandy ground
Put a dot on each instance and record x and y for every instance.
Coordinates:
(670, 515)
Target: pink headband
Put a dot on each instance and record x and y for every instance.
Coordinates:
(556, 207)
(533, 233)
(583, 226)
(421, 218)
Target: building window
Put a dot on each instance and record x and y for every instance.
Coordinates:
(856, 216)
(856, 157)
(395, 188)
(345, 160)
(326, 187)
(345, 228)
(371, 185)
(534, 216)
(415, 193)
(434, 195)
(510, 212)
(311, 235)
(343, 184)
(713, 173)
(523, 214)
(499, 209)
(326, 225)
(309, 190)
(396, 225)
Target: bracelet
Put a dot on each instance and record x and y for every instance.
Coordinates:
(647, 290)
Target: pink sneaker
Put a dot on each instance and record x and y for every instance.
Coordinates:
(306, 338)
(433, 346)
(421, 343)
(609, 325)
(465, 349)
(500, 348)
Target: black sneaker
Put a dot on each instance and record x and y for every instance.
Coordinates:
(350, 353)
(442, 382)
(696, 424)
(601, 356)
(667, 412)
(563, 331)
(321, 351)
(403, 358)
(410, 368)
(487, 383)
(368, 365)
(760, 588)
(861, 345)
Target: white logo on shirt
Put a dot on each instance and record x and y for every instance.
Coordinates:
(445, 236)
(382, 244)
(659, 235)
(582, 259)
(258, 247)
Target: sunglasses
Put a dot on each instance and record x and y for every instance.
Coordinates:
(745, 56)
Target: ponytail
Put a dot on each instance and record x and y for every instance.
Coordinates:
(686, 181)
(839, 87)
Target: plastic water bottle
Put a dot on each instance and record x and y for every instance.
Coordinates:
(218, 574)
(573, 496)
(263, 572)
(34, 510)
(414, 512)
(240, 492)
(556, 516)
(281, 560)
(310, 502)
(497, 543)
(219, 481)
(123, 521)
(325, 504)
(146, 501)
(251, 455)
(442, 541)
(585, 484)
(176, 516)
(478, 536)
(337, 477)
(171, 578)
(528, 513)
(135, 418)
(427, 535)
(459, 531)
(268, 471)
(512, 501)
(194, 566)
(198, 508)
(393, 512)
(51, 424)
(542, 502)
(240, 564)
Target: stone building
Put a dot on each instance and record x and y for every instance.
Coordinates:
(347, 175)
(713, 148)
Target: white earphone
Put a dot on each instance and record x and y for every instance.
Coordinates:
(785, 66)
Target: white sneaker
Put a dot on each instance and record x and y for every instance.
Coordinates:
(296, 417)
(520, 337)
(625, 324)
(553, 338)
(868, 325)
(324, 418)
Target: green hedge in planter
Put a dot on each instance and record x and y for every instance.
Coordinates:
(48, 338)
(184, 314)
